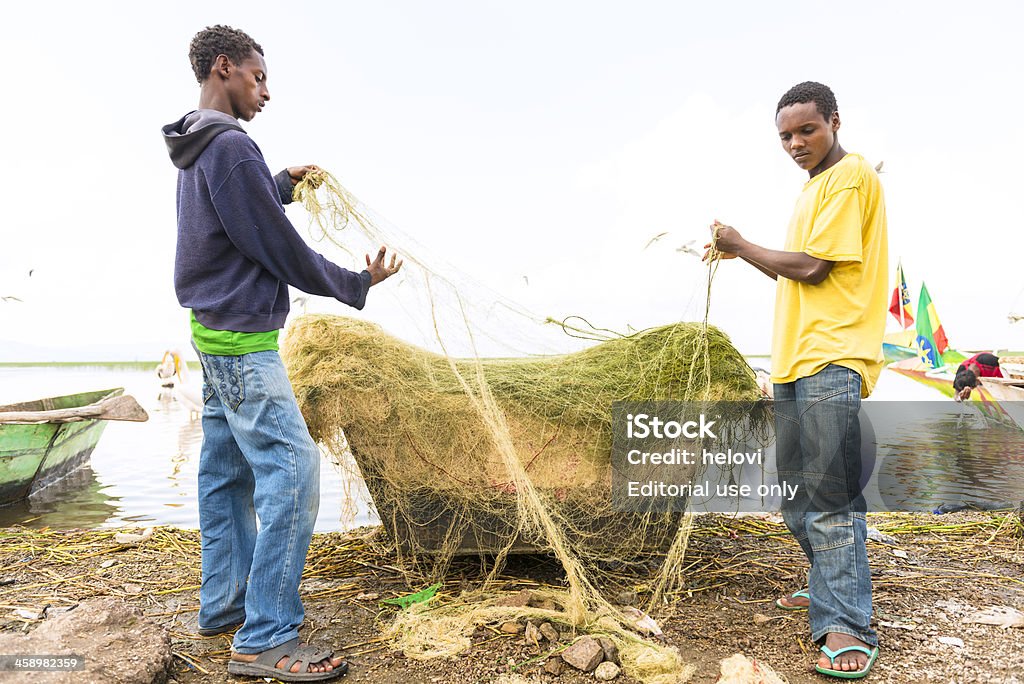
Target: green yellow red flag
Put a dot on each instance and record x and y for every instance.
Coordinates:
(931, 338)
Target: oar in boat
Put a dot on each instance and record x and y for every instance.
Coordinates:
(115, 408)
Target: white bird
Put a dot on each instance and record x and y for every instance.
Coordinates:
(655, 239)
(189, 393)
(688, 249)
(165, 370)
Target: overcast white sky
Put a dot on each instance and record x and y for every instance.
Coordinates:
(549, 140)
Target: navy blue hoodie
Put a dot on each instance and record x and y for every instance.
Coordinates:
(237, 251)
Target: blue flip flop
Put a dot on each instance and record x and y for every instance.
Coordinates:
(872, 655)
(803, 593)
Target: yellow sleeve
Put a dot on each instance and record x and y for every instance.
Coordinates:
(836, 233)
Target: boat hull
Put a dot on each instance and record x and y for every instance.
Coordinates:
(1009, 392)
(34, 456)
(996, 398)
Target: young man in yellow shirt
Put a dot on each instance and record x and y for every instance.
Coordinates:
(830, 306)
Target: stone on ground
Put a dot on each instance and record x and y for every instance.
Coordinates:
(533, 635)
(511, 627)
(550, 632)
(116, 643)
(585, 654)
(554, 666)
(611, 651)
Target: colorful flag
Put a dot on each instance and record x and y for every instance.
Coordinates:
(900, 305)
(931, 338)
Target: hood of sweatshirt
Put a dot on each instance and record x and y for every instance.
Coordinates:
(187, 137)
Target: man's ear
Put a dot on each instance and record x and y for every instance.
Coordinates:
(222, 66)
(835, 121)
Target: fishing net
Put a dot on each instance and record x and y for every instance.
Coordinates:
(470, 443)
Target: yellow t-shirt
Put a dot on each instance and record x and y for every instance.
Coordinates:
(839, 217)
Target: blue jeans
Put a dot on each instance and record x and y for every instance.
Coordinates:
(818, 450)
(257, 462)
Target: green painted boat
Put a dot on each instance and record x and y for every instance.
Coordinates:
(37, 454)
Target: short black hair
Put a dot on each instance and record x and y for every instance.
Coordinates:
(809, 91)
(964, 378)
(219, 40)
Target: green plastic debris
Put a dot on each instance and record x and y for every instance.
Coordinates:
(420, 596)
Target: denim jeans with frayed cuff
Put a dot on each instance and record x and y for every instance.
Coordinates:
(257, 462)
(818, 449)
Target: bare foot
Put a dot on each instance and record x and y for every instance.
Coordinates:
(325, 665)
(851, 661)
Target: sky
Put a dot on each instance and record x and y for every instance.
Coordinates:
(536, 147)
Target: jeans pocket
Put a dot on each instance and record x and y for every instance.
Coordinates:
(223, 375)
(831, 530)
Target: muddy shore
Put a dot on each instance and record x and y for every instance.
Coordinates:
(930, 580)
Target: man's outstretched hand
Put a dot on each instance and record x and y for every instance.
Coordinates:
(379, 271)
(297, 173)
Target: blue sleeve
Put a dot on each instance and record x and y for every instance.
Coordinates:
(248, 202)
(284, 186)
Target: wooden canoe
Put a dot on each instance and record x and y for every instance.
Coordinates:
(59, 438)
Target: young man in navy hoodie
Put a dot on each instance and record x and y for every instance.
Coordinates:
(237, 253)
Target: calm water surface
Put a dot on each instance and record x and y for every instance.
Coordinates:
(144, 473)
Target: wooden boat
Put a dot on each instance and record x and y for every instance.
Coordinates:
(42, 441)
(998, 398)
(1009, 392)
(940, 378)
(899, 346)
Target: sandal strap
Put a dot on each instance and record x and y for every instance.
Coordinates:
(271, 656)
(303, 656)
(322, 654)
(294, 653)
(832, 655)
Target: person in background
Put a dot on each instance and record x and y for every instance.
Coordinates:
(981, 365)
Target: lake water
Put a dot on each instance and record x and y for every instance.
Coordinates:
(145, 473)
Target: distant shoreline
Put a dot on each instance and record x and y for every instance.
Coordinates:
(132, 365)
(147, 365)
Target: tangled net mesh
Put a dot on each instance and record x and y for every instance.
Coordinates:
(467, 452)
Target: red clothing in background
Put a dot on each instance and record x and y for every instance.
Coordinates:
(987, 363)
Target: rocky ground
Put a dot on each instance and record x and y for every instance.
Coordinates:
(933, 577)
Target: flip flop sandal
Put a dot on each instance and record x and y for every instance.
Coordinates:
(803, 593)
(215, 631)
(872, 655)
(265, 664)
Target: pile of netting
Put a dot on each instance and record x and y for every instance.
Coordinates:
(498, 455)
